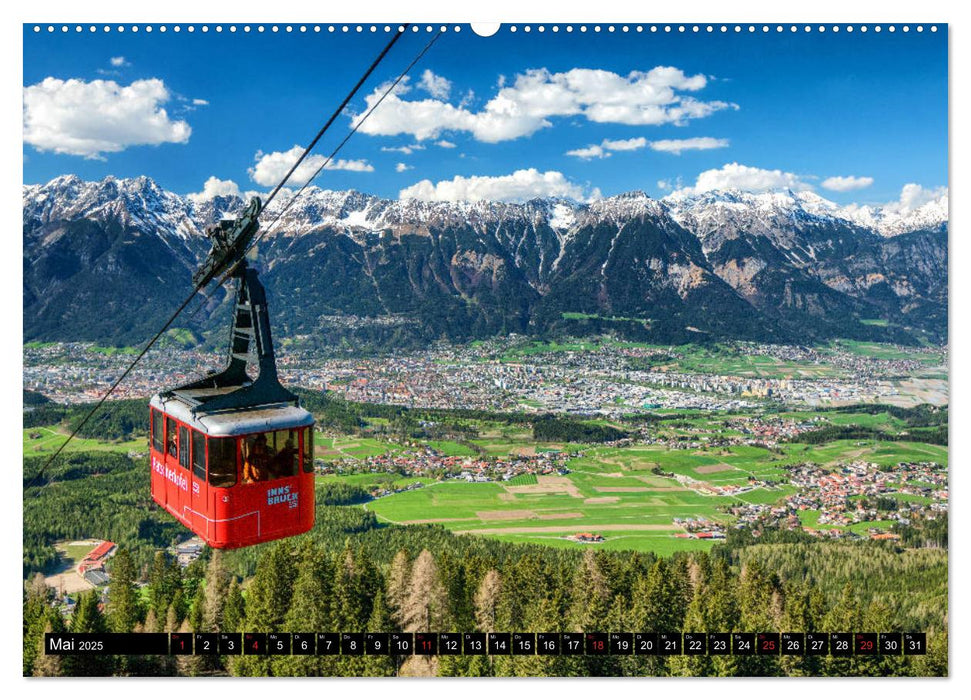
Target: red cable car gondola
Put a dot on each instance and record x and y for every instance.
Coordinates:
(232, 457)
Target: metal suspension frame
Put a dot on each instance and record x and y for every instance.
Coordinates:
(250, 327)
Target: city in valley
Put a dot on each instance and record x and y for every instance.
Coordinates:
(593, 442)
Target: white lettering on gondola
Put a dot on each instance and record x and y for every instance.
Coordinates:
(173, 475)
(282, 494)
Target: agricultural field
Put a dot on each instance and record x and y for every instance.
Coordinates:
(632, 509)
(632, 494)
(352, 447)
(41, 441)
(720, 361)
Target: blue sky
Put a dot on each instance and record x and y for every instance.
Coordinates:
(852, 116)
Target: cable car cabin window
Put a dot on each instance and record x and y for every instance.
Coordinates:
(308, 450)
(158, 432)
(270, 455)
(199, 455)
(184, 446)
(171, 445)
(222, 462)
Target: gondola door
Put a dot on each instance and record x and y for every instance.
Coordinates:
(184, 474)
(199, 491)
(176, 475)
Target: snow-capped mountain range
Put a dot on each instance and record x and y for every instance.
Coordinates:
(143, 203)
(724, 263)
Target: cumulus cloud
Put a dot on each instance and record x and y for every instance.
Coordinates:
(520, 186)
(914, 196)
(401, 167)
(119, 61)
(435, 85)
(214, 187)
(200, 102)
(89, 119)
(701, 143)
(271, 167)
(442, 143)
(527, 104)
(675, 146)
(847, 183)
(743, 177)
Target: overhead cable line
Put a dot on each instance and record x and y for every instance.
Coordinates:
(388, 90)
(273, 194)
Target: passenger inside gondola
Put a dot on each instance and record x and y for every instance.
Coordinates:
(285, 462)
(256, 461)
(173, 447)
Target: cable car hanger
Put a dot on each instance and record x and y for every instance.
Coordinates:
(237, 239)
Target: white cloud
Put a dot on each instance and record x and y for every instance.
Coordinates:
(606, 146)
(401, 167)
(592, 151)
(520, 186)
(674, 146)
(91, 118)
(215, 187)
(406, 150)
(914, 196)
(119, 61)
(675, 184)
(625, 144)
(200, 102)
(435, 85)
(701, 143)
(444, 144)
(527, 104)
(270, 168)
(847, 183)
(743, 177)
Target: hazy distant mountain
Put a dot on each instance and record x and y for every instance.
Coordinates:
(110, 260)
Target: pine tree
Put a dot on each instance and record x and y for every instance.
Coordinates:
(87, 615)
(214, 600)
(48, 664)
(935, 662)
(590, 598)
(379, 664)
(308, 611)
(425, 607)
(88, 618)
(124, 602)
(160, 586)
(657, 605)
(151, 621)
(759, 603)
(487, 601)
(234, 612)
(397, 584)
(36, 605)
(268, 597)
(172, 621)
(844, 616)
(188, 665)
(197, 611)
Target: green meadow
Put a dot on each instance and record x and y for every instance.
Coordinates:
(43, 441)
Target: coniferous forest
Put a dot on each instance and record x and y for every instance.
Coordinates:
(349, 574)
(352, 573)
